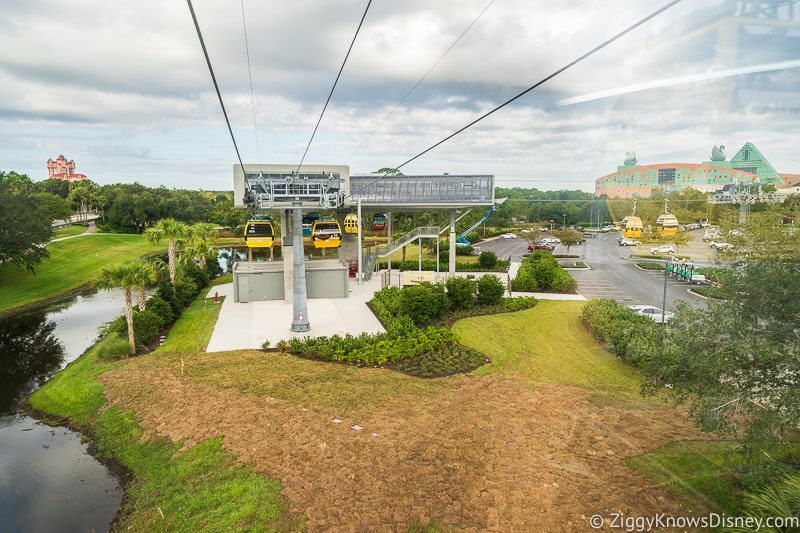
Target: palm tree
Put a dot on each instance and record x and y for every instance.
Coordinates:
(199, 237)
(123, 277)
(176, 232)
(144, 274)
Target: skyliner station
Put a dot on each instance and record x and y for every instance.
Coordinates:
(287, 191)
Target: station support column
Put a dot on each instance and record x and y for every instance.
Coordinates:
(451, 264)
(300, 321)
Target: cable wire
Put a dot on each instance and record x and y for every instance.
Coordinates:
(402, 100)
(532, 87)
(250, 75)
(334, 84)
(214, 79)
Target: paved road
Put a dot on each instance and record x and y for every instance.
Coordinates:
(612, 274)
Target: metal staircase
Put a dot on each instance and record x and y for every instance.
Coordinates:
(372, 253)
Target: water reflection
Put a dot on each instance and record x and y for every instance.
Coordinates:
(48, 481)
(30, 353)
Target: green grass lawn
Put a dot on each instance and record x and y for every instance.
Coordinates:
(69, 231)
(73, 263)
(548, 344)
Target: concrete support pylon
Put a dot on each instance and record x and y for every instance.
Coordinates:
(300, 321)
(451, 263)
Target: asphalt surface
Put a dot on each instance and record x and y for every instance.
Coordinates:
(612, 273)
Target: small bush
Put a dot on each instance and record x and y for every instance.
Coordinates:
(460, 292)
(146, 325)
(423, 302)
(161, 308)
(113, 346)
(541, 272)
(490, 290)
(519, 303)
(487, 260)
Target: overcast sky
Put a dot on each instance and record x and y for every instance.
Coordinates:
(123, 89)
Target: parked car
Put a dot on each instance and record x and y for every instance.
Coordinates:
(551, 240)
(625, 241)
(721, 245)
(653, 312)
(590, 234)
(666, 249)
(508, 236)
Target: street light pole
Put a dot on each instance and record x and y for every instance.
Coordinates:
(564, 225)
(664, 299)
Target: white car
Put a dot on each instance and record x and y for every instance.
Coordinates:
(653, 312)
(721, 245)
(551, 240)
(508, 236)
(624, 241)
(667, 249)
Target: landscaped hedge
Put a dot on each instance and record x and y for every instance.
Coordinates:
(430, 265)
(626, 333)
(540, 272)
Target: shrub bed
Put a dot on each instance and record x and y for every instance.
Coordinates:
(625, 333)
(416, 341)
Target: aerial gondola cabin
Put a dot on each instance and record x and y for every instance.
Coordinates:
(259, 232)
(667, 224)
(379, 221)
(326, 234)
(308, 221)
(351, 223)
(631, 227)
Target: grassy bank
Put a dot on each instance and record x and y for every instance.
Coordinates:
(548, 344)
(203, 488)
(73, 264)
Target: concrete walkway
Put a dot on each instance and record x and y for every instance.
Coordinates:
(248, 325)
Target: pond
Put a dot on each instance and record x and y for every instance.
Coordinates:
(48, 480)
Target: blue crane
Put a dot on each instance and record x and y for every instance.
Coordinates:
(462, 239)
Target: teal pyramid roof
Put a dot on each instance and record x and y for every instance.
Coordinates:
(749, 159)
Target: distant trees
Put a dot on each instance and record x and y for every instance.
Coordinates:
(133, 208)
(25, 223)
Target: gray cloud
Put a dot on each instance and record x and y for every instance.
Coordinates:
(123, 88)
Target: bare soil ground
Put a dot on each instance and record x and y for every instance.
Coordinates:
(481, 454)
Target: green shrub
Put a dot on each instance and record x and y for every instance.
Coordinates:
(113, 346)
(430, 265)
(626, 333)
(490, 290)
(146, 325)
(541, 272)
(487, 260)
(460, 292)
(519, 303)
(160, 307)
(781, 499)
(525, 281)
(423, 302)
(386, 303)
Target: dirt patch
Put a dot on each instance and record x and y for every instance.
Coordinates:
(487, 454)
